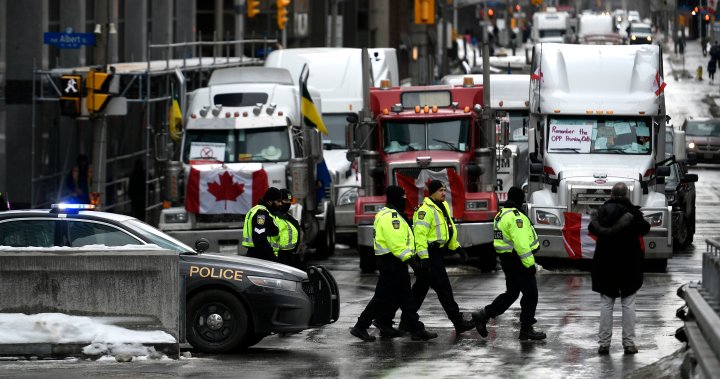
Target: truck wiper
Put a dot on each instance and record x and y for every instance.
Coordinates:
(613, 149)
(207, 159)
(452, 145)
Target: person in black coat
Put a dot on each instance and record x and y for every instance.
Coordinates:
(617, 266)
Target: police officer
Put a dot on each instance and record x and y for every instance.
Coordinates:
(515, 242)
(394, 248)
(285, 244)
(260, 226)
(435, 238)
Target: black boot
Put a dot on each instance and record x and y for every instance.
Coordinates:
(531, 334)
(387, 331)
(362, 334)
(422, 335)
(481, 318)
(462, 325)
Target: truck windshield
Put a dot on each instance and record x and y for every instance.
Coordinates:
(703, 129)
(335, 124)
(237, 145)
(517, 125)
(453, 135)
(599, 135)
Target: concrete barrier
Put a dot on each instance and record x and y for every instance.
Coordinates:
(136, 289)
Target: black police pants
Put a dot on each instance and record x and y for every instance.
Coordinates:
(288, 257)
(518, 279)
(254, 252)
(392, 288)
(437, 279)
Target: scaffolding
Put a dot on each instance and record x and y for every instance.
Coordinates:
(149, 88)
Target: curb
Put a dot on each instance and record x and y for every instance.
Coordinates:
(66, 350)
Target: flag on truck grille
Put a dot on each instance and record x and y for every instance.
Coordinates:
(311, 116)
(416, 188)
(213, 189)
(578, 241)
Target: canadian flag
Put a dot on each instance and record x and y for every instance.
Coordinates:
(416, 189)
(578, 241)
(537, 74)
(658, 84)
(213, 189)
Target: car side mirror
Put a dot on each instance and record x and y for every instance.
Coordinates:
(689, 178)
(202, 245)
(662, 171)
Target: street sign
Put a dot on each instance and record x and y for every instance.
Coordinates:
(68, 40)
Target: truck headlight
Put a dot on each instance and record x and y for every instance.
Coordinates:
(348, 197)
(546, 218)
(633, 38)
(649, 38)
(373, 208)
(476, 205)
(277, 284)
(176, 218)
(655, 219)
(691, 145)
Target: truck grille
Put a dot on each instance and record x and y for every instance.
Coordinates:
(588, 198)
(414, 172)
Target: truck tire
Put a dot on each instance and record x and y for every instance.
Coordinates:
(367, 259)
(217, 322)
(325, 242)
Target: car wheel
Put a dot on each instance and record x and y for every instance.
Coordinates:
(217, 322)
(682, 237)
(367, 259)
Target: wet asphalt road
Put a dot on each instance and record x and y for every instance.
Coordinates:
(568, 311)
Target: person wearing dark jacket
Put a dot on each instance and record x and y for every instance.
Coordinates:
(617, 266)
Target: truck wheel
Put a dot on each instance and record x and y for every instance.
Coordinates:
(367, 259)
(325, 243)
(217, 322)
(682, 238)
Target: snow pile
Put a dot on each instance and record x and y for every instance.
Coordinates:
(131, 349)
(18, 328)
(84, 248)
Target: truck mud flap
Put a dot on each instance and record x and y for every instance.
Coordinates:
(323, 292)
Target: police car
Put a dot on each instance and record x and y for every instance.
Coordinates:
(231, 302)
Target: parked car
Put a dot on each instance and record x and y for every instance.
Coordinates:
(680, 194)
(702, 136)
(231, 302)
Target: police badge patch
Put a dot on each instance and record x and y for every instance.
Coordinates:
(261, 219)
(396, 224)
(421, 215)
(519, 223)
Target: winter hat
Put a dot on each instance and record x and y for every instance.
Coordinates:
(286, 194)
(516, 195)
(394, 196)
(271, 194)
(434, 186)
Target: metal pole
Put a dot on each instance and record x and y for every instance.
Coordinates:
(333, 22)
(487, 114)
(239, 26)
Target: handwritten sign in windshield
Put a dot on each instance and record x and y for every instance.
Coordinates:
(570, 135)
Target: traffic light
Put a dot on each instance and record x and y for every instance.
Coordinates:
(425, 12)
(253, 8)
(707, 17)
(98, 85)
(71, 97)
(490, 13)
(282, 13)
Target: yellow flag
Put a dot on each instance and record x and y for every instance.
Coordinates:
(175, 121)
(309, 112)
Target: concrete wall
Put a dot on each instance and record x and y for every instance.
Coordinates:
(140, 289)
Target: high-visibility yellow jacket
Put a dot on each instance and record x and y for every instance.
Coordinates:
(514, 232)
(429, 226)
(287, 236)
(393, 235)
(265, 226)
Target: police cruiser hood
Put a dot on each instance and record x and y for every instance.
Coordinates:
(249, 266)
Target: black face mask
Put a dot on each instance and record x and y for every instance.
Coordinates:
(272, 207)
(285, 207)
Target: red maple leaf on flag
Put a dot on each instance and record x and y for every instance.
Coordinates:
(227, 189)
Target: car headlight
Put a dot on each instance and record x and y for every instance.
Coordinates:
(546, 218)
(277, 284)
(476, 205)
(691, 145)
(176, 218)
(649, 38)
(633, 38)
(349, 197)
(655, 219)
(373, 208)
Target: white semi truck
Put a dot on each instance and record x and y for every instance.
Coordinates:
(247, 121)
(549, 26)
(597, 117)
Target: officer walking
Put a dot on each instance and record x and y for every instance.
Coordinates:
(285, 244)
(435, 237)
(260, 227)
(515, 243)
(394, 248)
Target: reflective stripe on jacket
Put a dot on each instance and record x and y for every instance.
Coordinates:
(514, 232)
(287, 237)
(429, 226)
(247, 225)
(392, 234)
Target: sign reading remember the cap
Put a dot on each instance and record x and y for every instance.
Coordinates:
(570, 135)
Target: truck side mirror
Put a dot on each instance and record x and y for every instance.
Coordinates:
(536, 168)
(662, 171)
(689, 178)
(315, 149)
(679, 146)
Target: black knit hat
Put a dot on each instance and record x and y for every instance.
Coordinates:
(394, 195)
(285, 194)
(434, 186)
(516, 195)
(271, 194)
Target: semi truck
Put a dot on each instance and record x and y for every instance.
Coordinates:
(597, 117)
(244, 133)
(550, 26)
(408, 136)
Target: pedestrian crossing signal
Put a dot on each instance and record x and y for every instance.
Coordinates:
(71, 94)
(97, 85)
